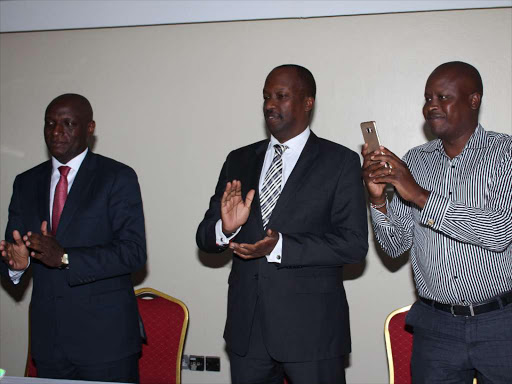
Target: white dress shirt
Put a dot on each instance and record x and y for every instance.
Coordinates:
(290, 158)
(74, 164)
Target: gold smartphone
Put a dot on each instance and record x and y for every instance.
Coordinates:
(370, 135)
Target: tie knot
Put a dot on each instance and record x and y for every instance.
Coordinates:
(64, 170)
(280, 148)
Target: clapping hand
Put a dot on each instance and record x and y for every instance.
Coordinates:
(259, 249)
(15, 255)
(44, 247)
(234, 210)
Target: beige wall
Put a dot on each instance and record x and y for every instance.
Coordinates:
(171, 101)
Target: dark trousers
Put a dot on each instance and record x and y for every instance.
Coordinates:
(258, 367)
(452, 349)
(125, 370)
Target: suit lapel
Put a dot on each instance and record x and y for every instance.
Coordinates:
(298, 176)
(78, 192)
(43, 193)
(255, 173)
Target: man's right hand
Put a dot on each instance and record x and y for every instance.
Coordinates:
(15, 255)
(376, 190)
(234, 211)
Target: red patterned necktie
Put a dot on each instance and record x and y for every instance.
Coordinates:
(61, 193)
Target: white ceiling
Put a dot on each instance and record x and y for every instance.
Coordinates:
(33, 15)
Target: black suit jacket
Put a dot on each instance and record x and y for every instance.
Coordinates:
(322, 216)
(89, 309)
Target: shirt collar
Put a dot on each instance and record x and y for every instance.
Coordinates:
(476, 140)
(74, 163)
(295, 143)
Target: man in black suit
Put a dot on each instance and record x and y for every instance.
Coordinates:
(77, 220)
(292, 210)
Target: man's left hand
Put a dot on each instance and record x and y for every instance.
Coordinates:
(259, 249)
(44, 247)
(397, 173)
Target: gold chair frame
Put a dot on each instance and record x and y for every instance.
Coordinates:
(387, 337)
(151, 291)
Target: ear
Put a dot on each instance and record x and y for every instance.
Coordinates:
(475, 99)
(309, 103)
(91, 127)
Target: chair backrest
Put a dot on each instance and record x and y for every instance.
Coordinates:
(165, 322)
(398, 346)
(30, 368)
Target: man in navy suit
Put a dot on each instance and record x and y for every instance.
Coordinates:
(292, 210)
(77, 220)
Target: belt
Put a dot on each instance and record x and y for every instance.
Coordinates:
(473, 309)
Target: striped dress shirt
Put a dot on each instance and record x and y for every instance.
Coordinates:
(461, 241)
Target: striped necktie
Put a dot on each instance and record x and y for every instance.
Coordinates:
(271, 188)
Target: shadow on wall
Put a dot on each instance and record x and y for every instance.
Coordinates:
(17, 292)
(214, 260)
(391, 264)
(353, 271)
(140, 276)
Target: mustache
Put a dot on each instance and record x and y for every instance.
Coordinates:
(434, 115)
(268, 114)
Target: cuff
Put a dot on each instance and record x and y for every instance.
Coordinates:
(276, 255)
(16, 275)
(433, 212)
(220, 238)
(381, 219)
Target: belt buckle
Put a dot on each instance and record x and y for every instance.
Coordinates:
(471, 310)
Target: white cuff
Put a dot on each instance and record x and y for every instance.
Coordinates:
(16, 275)
(220, 238)
(277, 253)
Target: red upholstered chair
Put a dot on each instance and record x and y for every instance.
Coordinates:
(398, 346)
(30, 368)
(165, 322)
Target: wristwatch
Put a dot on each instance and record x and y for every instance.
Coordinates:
(65, 261)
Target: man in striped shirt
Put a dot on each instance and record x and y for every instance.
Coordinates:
(453, 210)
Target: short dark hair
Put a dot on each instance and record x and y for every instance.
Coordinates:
(467, 70)
(306, 78)
(79, 101)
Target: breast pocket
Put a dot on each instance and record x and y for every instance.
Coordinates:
(310, 213)
(311, 195)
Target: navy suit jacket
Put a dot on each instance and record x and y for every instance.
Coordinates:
(90, 309)
(321, 214)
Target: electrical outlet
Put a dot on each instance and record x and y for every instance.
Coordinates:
(196, 363)
(213, 363)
